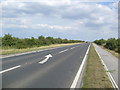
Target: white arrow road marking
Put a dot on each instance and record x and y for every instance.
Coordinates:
(63, 51)
(45, 60)
(10, 69)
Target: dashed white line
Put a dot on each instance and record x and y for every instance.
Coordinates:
(10, 69)
(72, 48)
(63, 51)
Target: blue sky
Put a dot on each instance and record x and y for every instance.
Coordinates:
(60, 18)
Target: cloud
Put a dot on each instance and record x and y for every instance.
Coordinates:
(36, 26)
(78, 19)
(54, 27)
(55, 2)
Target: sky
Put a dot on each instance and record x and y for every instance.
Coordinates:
(71, 19)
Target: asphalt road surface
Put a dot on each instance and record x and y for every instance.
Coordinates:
(54, 68)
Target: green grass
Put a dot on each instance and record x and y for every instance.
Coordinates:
(95, 75)
(7, 51)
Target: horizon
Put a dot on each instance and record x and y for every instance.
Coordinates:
(54, 37)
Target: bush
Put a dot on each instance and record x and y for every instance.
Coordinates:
(100, 42)
(9, 41)
(112, 44)
(20, 44)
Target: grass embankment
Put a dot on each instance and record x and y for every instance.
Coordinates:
(95, 75)
(111, 51)
(15, 51)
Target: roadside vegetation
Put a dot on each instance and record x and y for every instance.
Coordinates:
(95, 75)
(112, 44)
(12, 44)
(15, 51)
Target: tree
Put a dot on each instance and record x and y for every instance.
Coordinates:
(100, 42)
(0, 41)
(41, 40)
(30, 42)
(21, 44)
(111, 44)
(8, 40)
(58, 40)
(65, 40)
(118, 50)
(51, 40)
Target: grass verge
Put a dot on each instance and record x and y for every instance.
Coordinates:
(95, 75)
(15, 51)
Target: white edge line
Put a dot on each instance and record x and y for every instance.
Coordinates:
(74, 84)
(10, 69)
(108, 73)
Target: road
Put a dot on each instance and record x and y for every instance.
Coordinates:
(54, 68)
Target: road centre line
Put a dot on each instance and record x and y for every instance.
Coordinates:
(72, 48)
(63, 51)
(10, 69)
(25, 53)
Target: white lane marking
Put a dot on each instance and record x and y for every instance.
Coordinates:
(45, 60)
(108, 73)
(10, 69)
(24, 53)
(63, 51)
(74, 84)
(72, 48)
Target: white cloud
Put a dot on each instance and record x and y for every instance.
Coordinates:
(114, 5)
(63, 15)
(55, 2)
(36, 26)
(54, 26)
